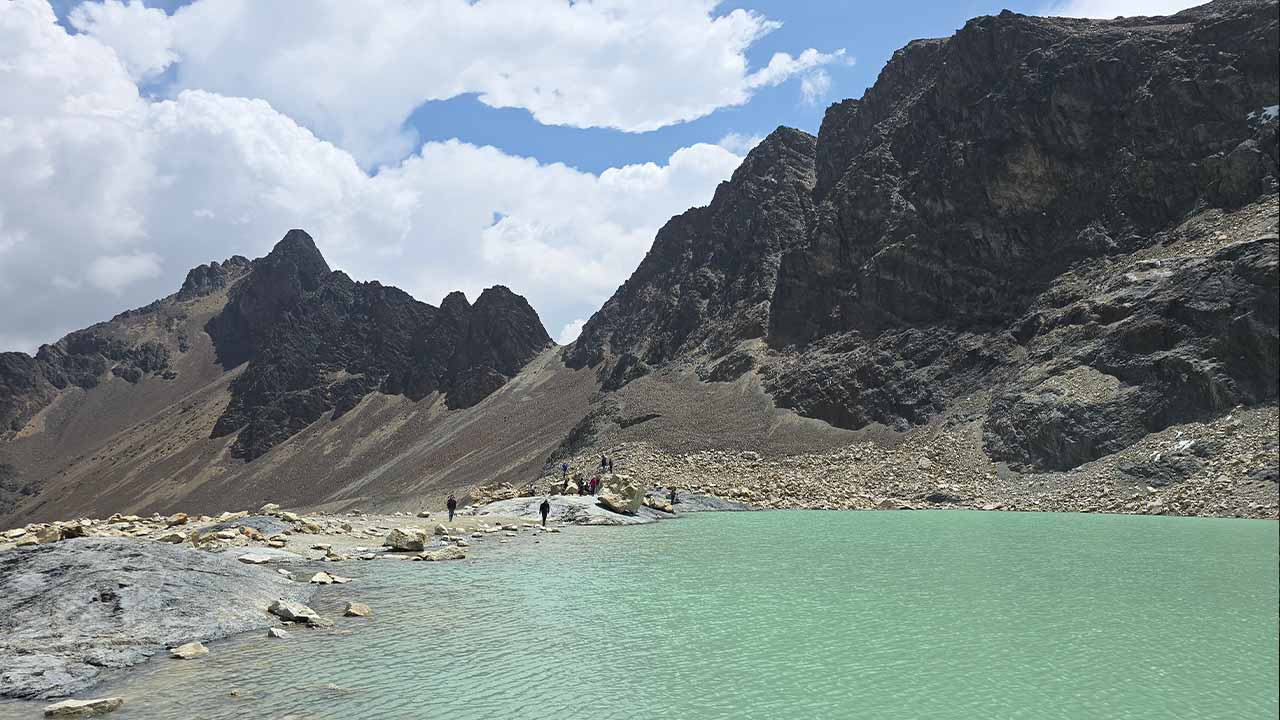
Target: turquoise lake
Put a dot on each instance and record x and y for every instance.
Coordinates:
(779, 615)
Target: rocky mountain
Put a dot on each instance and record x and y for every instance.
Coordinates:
(1034, 266)
(259, 351)
(317, 342)
(1062, 229)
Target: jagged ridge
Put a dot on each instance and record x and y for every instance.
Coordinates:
(318, 342)
(912, 254)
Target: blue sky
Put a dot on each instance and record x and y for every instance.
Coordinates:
(870, 31)
(435, 145)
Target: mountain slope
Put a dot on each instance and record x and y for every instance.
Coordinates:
(1061, 230)
(220, 392)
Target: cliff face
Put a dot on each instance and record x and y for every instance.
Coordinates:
(317, 342)
(999, 214)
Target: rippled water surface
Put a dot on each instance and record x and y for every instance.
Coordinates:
(781, 615)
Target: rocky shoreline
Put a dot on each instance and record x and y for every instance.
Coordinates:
(1221, 467)
(84, 596)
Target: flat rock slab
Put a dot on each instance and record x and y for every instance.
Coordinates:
(83, 708)
(69, 609)
(572, 509)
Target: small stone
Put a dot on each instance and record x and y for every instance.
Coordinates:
(176, 519)
(83, 708)
(175, 538)
(321, 578)
(355, 609)
(189, 650)
(445, 553)
(269, 508)
(277, 633)
(297, 612)
(407, 539)
(255, 559)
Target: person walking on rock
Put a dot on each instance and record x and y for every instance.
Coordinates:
(545, 509)
(595, 484)
(452, 505)
(604, 462)
(610, 466)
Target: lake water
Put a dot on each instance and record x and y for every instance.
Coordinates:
(781, 615)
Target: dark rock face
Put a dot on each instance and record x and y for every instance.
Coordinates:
(80, 359)
(203, 280)
(317, 342)
(708, 280)
(1176, 340)
(976, 222)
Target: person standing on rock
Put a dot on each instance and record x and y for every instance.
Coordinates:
(452, 505)
(595, 484)
(604, 462)
(610, 460)
(673, 495)
(545, 510)
(564, 470)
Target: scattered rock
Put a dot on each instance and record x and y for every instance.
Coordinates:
(445, 553)
(190, 650)
(276, 632)
(255, 559)
(355, 609)
(83, 708)
(406, 539)
(293, 611)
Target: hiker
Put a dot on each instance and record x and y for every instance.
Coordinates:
(595, 484)
(452, 504)
(610, 466)
(545, 509)
(564, 486)
(564, 469)
(673, 495)
(604, 462)
(582, 486)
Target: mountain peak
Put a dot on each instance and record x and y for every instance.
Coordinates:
(298, 252)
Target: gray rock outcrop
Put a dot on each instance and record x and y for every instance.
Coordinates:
(73, 608)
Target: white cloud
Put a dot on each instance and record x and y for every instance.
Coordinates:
(1117, 8)
(353, 71)
(141, 36)
(739, 144)
(571, 331)
(114, 273)
(782, 66)
(116, 196)
(814, 87)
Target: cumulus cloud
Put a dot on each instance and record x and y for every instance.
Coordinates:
(571, 331)
(108, 197)
(1116, 8)
(739, 144)
(114, 273)
(141, 36)
(353, 71)
(814, 87)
